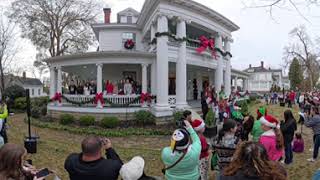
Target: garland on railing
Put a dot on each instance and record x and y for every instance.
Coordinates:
(105, 101)
(189, 40)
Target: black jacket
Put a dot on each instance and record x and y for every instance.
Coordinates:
(288, 128)
(100, 169)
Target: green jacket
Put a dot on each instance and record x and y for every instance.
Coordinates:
(5, 112)
(187, 168)
(256, 131)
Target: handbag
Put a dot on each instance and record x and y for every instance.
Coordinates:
(174, 164)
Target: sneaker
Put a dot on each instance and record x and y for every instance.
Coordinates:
(311, 160)
(282, 161)
(311, 149)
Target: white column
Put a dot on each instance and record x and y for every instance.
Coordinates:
(154, 78)
(59, 80)
(219, 70)
(199, 84)
(52, 82)
(236, 82)
(99, 77)
(181, 68)
(162, 67)
(144, 78)
(227, 77)
(153, 32)
(99, 82)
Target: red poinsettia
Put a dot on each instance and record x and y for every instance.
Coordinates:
(99, 97)
(129, 44)
(145, 97)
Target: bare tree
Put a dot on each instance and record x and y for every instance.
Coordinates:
(281, 4)
(59, 26)
(303, 49)
(7, 48)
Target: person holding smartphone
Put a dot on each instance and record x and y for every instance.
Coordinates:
(14, 166)
(90, 163)
(312, 120)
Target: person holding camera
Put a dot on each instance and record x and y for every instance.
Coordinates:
(312, 120)
(181, 159)
(90, 164)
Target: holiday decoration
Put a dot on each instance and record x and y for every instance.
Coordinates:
(205, 44)
(145, 97)
(129, 44)
(99, 98)
(57, 97)
(173, 36)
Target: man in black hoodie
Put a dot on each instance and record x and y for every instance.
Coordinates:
(90, 164)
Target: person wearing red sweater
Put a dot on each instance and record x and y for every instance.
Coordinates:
(109, 87)
(199, 127)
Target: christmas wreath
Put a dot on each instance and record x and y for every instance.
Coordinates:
(129, 44)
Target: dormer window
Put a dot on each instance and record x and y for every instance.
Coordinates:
(129, 19)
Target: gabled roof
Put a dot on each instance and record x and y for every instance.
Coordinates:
(261, 69)
(129, 10)
(11, 79)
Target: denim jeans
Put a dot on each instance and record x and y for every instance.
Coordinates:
(288, 153)
(316, 141)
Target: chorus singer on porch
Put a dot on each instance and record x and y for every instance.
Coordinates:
(127, 87)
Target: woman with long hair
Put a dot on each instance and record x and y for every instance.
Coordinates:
(12, 167)
(226, 145)
(272, 138)
(288, 127)
(247, 123)
(250, 162)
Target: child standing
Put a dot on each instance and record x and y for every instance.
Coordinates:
(298, 143)
(272, 138)
(199, 127)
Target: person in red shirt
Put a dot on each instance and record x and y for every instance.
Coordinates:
(109, 87)
(292, 96)
(199, 127)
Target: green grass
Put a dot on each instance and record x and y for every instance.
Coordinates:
(57, 142)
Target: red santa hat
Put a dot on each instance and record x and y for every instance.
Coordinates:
(198, 125)
(270, 121)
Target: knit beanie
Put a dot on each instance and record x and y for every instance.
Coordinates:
(180, 140)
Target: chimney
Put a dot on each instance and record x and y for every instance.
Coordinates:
(262, 64)
(250, 66)
(107, 14)
(24, 75)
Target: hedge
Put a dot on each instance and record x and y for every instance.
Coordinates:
(101, 132)
(109, 122)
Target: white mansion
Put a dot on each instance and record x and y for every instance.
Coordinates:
(172, 48)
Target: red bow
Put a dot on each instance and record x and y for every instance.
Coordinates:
(99, 97)
(130, 42)
(206, 43)
(57, 97)
(145, 97)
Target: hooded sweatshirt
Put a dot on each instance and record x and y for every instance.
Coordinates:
(187, 168)
(268, 140)
(100, 169)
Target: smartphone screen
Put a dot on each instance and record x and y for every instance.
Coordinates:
(43, 173)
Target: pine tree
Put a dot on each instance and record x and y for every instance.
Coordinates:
(295, 74)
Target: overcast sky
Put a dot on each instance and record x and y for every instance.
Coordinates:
(260, 37)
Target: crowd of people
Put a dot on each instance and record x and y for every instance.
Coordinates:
(125, 86)
(244, 147)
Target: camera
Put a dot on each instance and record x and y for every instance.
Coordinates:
(180, 123)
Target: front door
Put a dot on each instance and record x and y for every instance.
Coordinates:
(172, 86)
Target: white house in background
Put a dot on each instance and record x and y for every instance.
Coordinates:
(162, 60)
(286, 82)
(34, 85)
(261, 79)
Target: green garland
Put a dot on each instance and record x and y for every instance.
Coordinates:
(173, 36)
(91, 100)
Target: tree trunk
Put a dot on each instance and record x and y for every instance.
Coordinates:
(2, 80)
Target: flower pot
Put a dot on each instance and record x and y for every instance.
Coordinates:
(210, 132)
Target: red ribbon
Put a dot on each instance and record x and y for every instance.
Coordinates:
(145, 97)
(99, 97)
(57, 97)
(206, 43)
(130, 42)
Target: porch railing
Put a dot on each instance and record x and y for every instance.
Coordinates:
(130, 100)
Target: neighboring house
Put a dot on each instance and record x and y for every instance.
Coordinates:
(34, 85)
(261, 79)
(286, 82)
